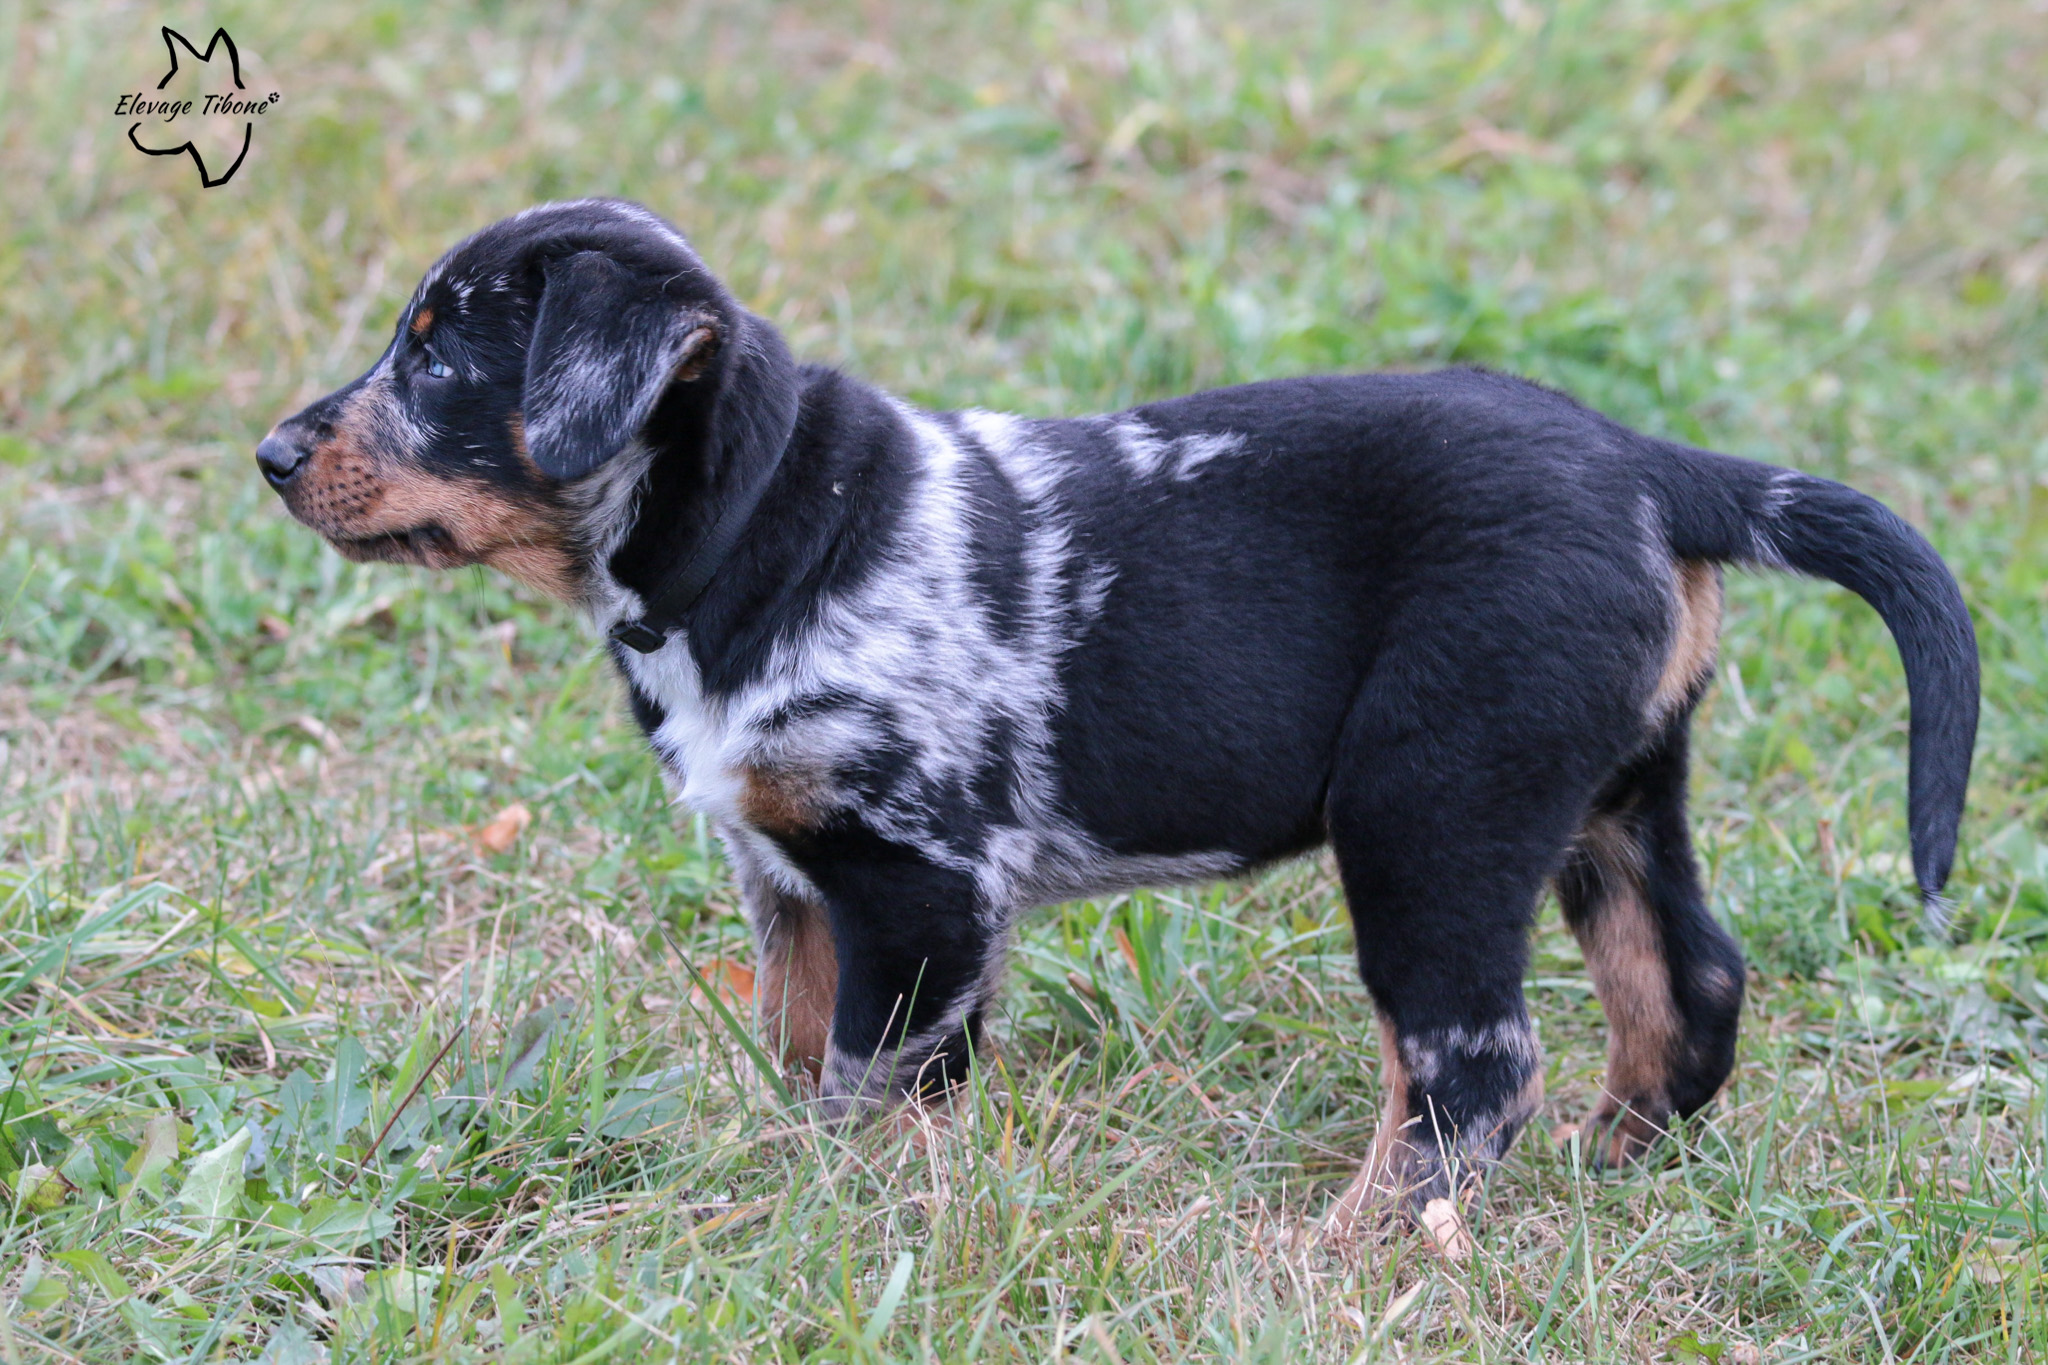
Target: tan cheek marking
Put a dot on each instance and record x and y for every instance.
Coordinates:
(486, 525)
(354, 488)
(343, 484)
(1695, 636)
(798, 984)
(545, 569)
(339, 486)
(515, 427)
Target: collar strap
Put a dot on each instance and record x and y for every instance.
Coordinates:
(674, 594)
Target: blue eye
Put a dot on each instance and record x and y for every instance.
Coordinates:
(437, 369)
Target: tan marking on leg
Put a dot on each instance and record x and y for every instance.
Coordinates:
(1720, 987)
(798, 983)
(1624, 951)
(1695, 635)
(1390, 1145)
(1379, 1184)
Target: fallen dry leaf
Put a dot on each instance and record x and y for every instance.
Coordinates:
(1123, 944)
(1447, 1229)
(733, 982)
(503, 829)
(275, 627)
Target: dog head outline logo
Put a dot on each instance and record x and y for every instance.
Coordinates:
(214, 104)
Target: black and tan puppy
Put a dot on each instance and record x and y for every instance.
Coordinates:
(926, 670)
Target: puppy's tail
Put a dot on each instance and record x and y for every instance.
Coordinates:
(1720, 508)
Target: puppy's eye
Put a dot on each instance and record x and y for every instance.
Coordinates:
(437, 369)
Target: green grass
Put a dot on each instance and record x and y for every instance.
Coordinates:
(242, 913)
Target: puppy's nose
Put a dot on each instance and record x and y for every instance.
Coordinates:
(279, 459)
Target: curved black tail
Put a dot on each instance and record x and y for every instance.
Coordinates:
(1721, 508)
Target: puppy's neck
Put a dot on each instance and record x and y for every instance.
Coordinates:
(663, 514)
(827, 518)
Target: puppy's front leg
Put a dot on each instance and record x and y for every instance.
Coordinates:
(919, 954)
(799, 967)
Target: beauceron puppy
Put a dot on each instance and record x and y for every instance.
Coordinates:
(926, 670)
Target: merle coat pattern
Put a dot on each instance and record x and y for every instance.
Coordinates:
(954, 665)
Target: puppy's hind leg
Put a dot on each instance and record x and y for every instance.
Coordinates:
(1668, 976)
(1447, 820)
(1490, 716)
(1461, 1065)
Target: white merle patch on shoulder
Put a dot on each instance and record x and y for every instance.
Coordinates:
(1038, 469)
(1150, 455)
(1654, 547)
(1200, 448)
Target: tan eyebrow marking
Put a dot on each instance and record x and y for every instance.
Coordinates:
(421, 321)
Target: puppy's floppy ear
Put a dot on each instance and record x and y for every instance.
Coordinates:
(606, 345)
(756, 403)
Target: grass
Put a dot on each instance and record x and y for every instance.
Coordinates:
(293, 1062)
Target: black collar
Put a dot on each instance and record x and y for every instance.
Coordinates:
(675, 592)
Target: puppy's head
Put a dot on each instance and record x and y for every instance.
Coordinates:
(529, 357)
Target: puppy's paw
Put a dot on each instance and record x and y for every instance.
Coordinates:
(1618, 1136)
(1364, 1219)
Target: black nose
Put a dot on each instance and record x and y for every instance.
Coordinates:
(279, 460)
